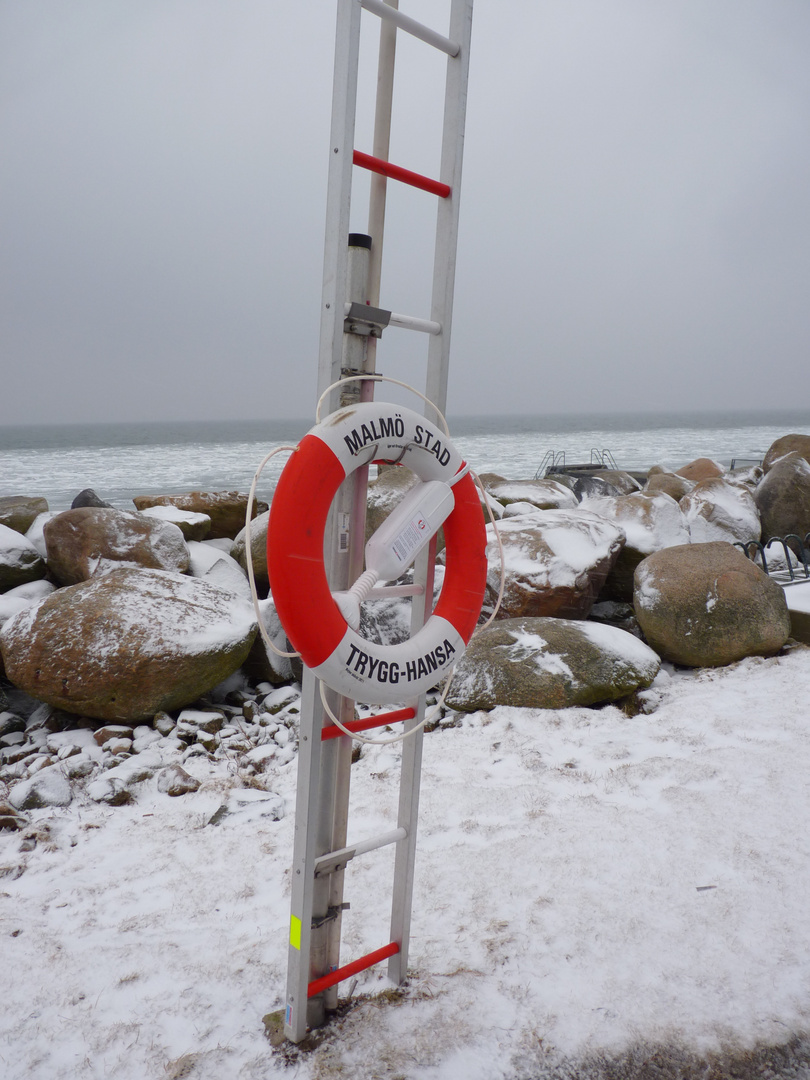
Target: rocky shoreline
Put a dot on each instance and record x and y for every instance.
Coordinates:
(129, 643)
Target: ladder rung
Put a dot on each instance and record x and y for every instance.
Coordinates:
(410, 322)
(396, 172)
(411, 26)
(333, 860)
(405, 322)
(369, 722)
(383, 592)
(317, 986)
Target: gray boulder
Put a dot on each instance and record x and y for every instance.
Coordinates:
(48, 787)
(555, 563)
(91, 540)
(88, 497)
(783, 497)
(799, 444)
(18, 512)
(543, 494)
(720, 509)
(701, 469)
(659, 479)
(650, 522)
(20, 562)
(550, 664)
(258, 548)
(705, 605)
(192, 526)
(127, 645)
(226, 509)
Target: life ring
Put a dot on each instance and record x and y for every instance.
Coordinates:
(338, 655)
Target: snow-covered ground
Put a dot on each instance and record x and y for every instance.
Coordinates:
(586, 882)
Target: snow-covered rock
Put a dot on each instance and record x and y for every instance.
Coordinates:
(192, 526)
(48, 787)
(20, 562)
(649, 522)
(704, 605)
(550, 664)
(18, 512)
(555, 562)
(783, 497)
(93, 540)
(542, 494)
(127, 645)
(718, 509)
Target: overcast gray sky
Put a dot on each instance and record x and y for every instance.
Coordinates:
(635, 208)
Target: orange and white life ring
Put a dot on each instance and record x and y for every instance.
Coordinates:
(342, 658)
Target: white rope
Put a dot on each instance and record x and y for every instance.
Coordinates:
(249, 552)
(393, 738)
(381, 378)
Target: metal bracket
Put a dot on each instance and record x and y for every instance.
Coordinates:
(330, 916)
(365, 320)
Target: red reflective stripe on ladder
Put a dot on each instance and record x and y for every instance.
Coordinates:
(380, 720)
(325, 981)
(396, 172)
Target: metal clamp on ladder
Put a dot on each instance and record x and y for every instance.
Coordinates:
(351, 322)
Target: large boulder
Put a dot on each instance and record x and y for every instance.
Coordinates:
(701, 469)
(127, 645)
(88, 497)
(704, 605)
(550, 664)
(20, 562)
(719, 509)
(783, 497)
(218, 567)
(18, 512)
(258, 549)
(385, 492)
(226, 509)
(798, 444)
(192, 526)
(649, 521)
(659, 479)
(543, 494)
(23, 596)
(92, 540)
(555, 563)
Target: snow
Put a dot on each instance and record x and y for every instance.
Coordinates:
(585, 880)
(798, 597)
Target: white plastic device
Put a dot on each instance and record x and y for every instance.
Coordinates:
(397, 542)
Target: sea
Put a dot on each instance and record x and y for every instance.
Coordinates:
(119, 461)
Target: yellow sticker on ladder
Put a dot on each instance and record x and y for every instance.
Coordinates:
(295, 932)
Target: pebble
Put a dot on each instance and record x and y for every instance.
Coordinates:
(45, 758)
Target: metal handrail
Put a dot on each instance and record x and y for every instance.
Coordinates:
(791, 555)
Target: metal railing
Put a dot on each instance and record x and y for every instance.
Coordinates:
(797, 555)
(554, 462)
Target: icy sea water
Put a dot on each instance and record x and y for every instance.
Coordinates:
(122, 460)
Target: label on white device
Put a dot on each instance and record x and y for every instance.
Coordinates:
(410, 539)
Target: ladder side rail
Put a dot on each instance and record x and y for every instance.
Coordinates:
(444, 265)
(409, 788)
(346, 565)
(338, 196)
(380, 146)
(303, 885)
(318, 764)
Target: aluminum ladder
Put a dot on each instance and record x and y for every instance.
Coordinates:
(351, 323)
